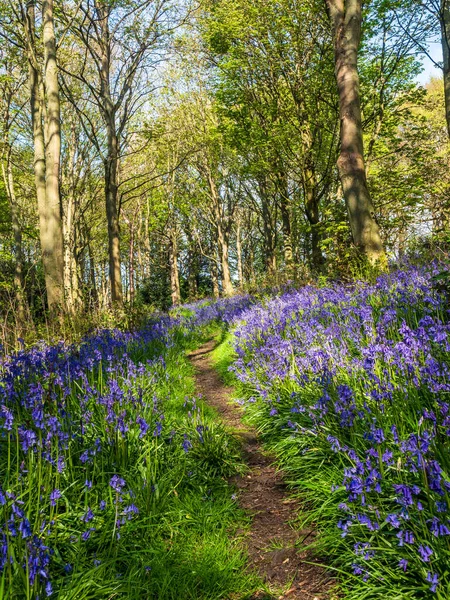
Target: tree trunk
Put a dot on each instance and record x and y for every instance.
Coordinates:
(286, 222)
(112, 215)
(174, 274)
(111, 160)
(131, 264)
(445, 38)
(140, 263)
(215, 278)
(71, 287)
(239, 253)
(312, 214)
(270, 241)
(8, 178)
(19, 290)
(69, 251)
(193, 265)
(93, 290)
(50, 229)
(227, 286)
(53, 159)
(345, 16)
(222, 238)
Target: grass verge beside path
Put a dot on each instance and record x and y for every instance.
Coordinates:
(140, 506)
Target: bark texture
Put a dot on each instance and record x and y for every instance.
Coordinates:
(8, 179)
(47, 152)
(19, 288)
(345, 17)
(222, 229)
(445, 37)
(112, 156)
(175, 291)
(283, 194)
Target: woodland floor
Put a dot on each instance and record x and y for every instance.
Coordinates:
(276, 549)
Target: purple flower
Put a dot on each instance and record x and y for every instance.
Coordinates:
(84, 457)
(425, 553)
(434, 580)
(8, 416)
(88, 516)
(187, 444)
(393, 520)
(143, 425)
(54, 496)
(405, 537)
(87, 534)
(117, 483)
(130, 510)
(403, 564)
(25, 528)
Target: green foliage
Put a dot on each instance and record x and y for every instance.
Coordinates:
(181, 543)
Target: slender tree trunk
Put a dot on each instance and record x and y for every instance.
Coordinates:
(8, 178)
(239, 253)
(312, 214)
(222, 238)
(54, 230)
(131, 263)
(69, 253)
(215, 278)
(194, 266)
(50, 229)
(227, 286)
(445, 38)
(147, 244)
(111, 160)
(286, 222)
(269, 232)
(346, 17)
(93, 291)
(19, 289)
(112, 216)
(140, 263)
(70, 265)
(103, 287)
(174, 273)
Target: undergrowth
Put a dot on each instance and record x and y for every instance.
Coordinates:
(114, 474)
(349, 387)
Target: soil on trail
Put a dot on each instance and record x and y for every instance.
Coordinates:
(274, 545)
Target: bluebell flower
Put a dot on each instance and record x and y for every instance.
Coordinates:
(425, 553)
(434, 580)
(117, 483)
(54, 496)
(403, 564)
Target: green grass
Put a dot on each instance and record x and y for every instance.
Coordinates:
(184, 542)
(223, 356)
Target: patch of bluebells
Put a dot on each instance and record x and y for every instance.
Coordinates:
(363, 371)
(67, 413)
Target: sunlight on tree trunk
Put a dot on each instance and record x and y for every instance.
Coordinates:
(345, 16)
(445, 37)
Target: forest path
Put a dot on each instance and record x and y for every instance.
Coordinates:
(274, 546)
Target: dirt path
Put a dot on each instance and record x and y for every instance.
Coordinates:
(274, 546)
